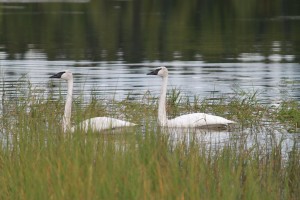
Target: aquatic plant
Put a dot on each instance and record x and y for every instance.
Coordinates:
(39, 161)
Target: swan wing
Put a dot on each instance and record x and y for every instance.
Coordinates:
(102, 123)
(198, 120)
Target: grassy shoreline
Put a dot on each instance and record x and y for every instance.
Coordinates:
(38, 161)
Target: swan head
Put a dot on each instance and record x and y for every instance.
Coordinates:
(65, 75)
(160, 71)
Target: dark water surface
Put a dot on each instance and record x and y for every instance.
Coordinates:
(210, 48)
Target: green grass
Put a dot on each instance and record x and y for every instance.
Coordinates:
(38, 161)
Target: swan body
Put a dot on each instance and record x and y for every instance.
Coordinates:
(101, 123)
(197, 120)
(94, 124)
(184, 121)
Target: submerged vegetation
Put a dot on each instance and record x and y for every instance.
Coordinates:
(38, 161)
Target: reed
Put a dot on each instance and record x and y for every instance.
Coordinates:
(38, 161)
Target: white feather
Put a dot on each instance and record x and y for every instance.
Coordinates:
(94, 124)
(197, 120)
(185, 121)
(101, 123)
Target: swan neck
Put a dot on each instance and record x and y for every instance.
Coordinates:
(68, 107)
(162, 114)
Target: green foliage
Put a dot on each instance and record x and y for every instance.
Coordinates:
(38, 161)
(289, 112)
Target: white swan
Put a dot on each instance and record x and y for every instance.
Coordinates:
(94, 124)
(184, 121)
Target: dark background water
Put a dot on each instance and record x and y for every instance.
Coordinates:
(209, 46)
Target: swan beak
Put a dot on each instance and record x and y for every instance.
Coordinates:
(58, 75)
(154, 72)
(151, 73)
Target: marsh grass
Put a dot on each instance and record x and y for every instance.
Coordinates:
(289, 112)
(38, 161)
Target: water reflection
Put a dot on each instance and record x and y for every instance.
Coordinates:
(135, 31)
(263, 139)
(272, 80)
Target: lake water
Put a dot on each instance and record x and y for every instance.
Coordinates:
(273, 81)
(210, 48)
